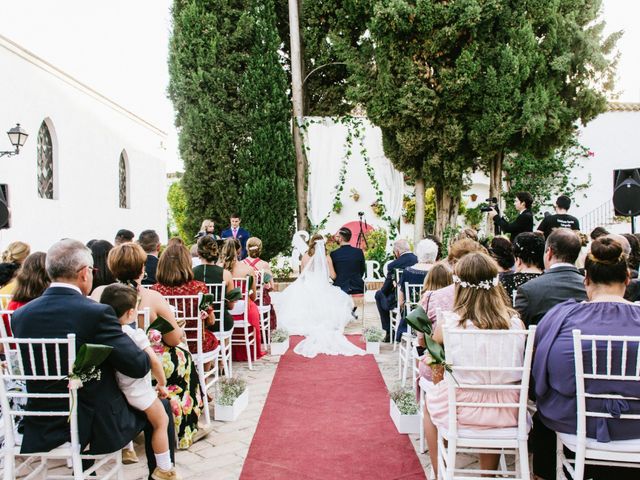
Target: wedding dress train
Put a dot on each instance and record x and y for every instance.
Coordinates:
(312, 307)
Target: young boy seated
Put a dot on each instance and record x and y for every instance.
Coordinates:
(138, 391)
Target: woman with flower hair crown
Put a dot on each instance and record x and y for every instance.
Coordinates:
(480, 303)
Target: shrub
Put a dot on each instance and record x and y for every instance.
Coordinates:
(405, 400)
(279, 335)
(229, 389)
(373, 334)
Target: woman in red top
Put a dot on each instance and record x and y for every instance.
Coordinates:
(31, 282)
(175, 277)
(254, 249)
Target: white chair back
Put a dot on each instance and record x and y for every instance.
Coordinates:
(5, 298)
(145, 313)
(148, 287)
(607, 358)
(187, 312)
(493, 360)
(412, 294)
(218, 290)
(243, 285)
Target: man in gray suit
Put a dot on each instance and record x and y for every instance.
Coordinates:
(561, 280)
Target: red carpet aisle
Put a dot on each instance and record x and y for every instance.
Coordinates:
(328, 418)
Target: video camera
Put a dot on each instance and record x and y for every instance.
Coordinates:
(492, 204)
(361, 214)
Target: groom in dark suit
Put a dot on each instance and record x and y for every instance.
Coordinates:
(237, 232)
(349, 264)
(106, 422)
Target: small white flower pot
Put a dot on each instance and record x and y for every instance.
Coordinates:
(373, 347)
(404, 423)
(228, 413)
(279, 348)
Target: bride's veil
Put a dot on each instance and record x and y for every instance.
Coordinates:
(317, 270)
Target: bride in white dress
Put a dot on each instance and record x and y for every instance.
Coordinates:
(313, 307)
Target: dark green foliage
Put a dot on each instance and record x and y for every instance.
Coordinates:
(325, 88)
(229, 92)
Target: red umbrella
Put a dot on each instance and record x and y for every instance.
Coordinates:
(355, 230)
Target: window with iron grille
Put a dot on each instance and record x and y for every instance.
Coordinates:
(45, 162)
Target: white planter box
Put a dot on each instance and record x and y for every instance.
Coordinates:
(228, 413)
(279, 348)
(373, 347)
(404, 423)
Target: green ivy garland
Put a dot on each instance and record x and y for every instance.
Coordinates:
(355, 129)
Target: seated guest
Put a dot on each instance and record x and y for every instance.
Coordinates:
(208, 272)
(126, 262)
(15, 253)
(31, 282)
(480, 303)
(584, 250)
(528, 250)
(469, 233)
(632, 293)
(207, 229)
(150, 243)
(175, 277)
(386, 299)
(501, 251)
(443, 298)
(106, 422)
(123, 236)
(553, 374)
(7, 273)
(439, 276)
(560, 281)
(598, 232)
(195, 260)
(254, 250)
(427, 252)
(349, 264)
(101, 274)
(138, 391)
(239, 270)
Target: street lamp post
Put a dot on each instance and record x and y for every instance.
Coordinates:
(17, 137)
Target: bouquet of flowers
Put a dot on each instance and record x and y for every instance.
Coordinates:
(434, 355)
(87, 363)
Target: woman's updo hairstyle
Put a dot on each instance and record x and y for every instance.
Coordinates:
(16, 252)
(208, 249)
(529, 247)
(254, 247)
(502, 252)
(312, 244)
(607, 262)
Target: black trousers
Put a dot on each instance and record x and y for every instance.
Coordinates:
(384, 307)
(542, 443)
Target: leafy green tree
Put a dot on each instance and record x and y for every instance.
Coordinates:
(266, 159)
(229, 93)
(177, 212)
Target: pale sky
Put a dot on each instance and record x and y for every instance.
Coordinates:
(119, 48)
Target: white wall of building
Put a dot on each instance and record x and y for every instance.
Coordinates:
(89, 133)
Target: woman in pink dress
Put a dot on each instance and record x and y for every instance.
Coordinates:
(229, 261)
(480, 303)
(254, 249)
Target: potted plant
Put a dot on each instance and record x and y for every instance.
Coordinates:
(279, 341)
(373, 336)
(231, 398)
(354, 194)
(337, 206)
(403, 409)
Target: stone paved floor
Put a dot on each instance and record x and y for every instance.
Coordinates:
(221, 455)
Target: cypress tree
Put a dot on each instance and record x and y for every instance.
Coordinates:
(229, 93)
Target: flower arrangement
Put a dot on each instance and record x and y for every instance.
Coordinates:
(354, 194)
(279, 335)
(434, 355)
(373, 334)
(405, 400)
(229, 389)
(377, 246)
(378, 208)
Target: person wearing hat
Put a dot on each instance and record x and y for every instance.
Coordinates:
(349, 264)
(561, 219)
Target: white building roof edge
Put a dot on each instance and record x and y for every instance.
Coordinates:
(30, 57)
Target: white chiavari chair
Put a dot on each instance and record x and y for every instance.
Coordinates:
(407, 352)
(264, 310)
(5, 298)
(609, 360)
(189, 315)
(46, 362)
(243, 332)
(218, 290)
(395, 315)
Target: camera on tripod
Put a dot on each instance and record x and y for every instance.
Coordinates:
(492, 204)
(361, 214)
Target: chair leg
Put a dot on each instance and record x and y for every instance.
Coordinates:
(205, 396)
(229, 358)
(248, 347)
(451, 459)
(78, 473)
(559, 459)
(523, 459)
(578, 466)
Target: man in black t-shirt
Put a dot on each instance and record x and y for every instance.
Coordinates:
(561, 219)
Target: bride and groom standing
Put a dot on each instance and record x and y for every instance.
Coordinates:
(313, 307)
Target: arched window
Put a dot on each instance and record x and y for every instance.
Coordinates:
(123, 181)
(45, 162)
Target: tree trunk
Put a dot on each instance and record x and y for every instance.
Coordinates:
(446, 210)
(418, 231)
(495, 183)
(298, 102)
